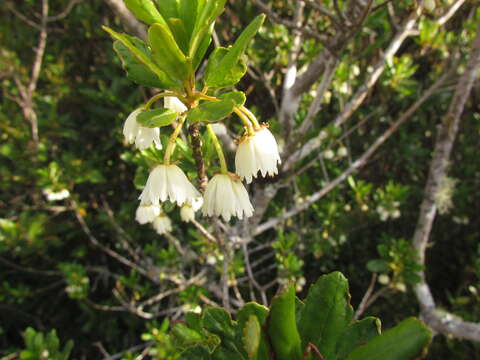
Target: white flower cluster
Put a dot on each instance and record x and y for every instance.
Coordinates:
(225, 195)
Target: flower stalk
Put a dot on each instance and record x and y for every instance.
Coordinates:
(252, 117)
(245, 120)
(172, 140)
(218, 149)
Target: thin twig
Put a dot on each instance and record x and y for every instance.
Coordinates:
(362, 307)
(359, 163)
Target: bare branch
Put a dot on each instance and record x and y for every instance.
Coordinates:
(130, 22)
(450, 12)
(360, 162)
(445, 323)
(65, 12)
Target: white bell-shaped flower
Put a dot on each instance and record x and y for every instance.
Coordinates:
(226, 196)
(173, 103)
(147, 213)
(162, 224)
(140, 135)
(257, 152)
(187, 212)
(168, 182)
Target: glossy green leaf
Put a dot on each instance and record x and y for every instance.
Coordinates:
(282, 327)
(357, 334)
(326, 314)
(157, 118)
(168, 8)
(231, 75)
(136, 71)
(145, 11)
(207, 12)
(226, 67)
(260, 312)
(166, 53)
(406, 341)
(238, 97)
(211, 111)
(201, 51)
(187, 11)
(180, 33)
(140, 53)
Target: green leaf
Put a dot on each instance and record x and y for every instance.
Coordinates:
(218, 321)
(326, 313)
(378, 265)
(357, 334)
(252, 336)
(157, 118)
(408, 340)
(136, 71)
(180, 33)
(282, 327)
(238, 97)
(201, 51)
(207, 12)
(229, 66)
(140, 52)
(198, 352)
(260, 312)
(166, 53)
(211, 111)
(231, 75)
(187, 11)
(168, 8)
(185, 334)
(145, 11)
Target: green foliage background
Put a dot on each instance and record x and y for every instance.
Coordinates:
(51, 277)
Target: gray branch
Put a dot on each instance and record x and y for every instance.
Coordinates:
(130, 22)
(443, 322)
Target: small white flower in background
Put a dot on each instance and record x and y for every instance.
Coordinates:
(162, 224)
(328, 154)
(147, 213)
(168, 182)
(187, 212)
(172, 103)
(56, 195)
(342, 152)
(384, 279)
(140, 135)
(226, 196)
(258, 152)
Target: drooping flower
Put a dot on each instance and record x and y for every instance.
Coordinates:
(257, 153)
(226, 196)
(173, 103)
(140, 135)
(147, 213)
(168, 182)
(187, 212)
(162, 224)
(56, 195)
